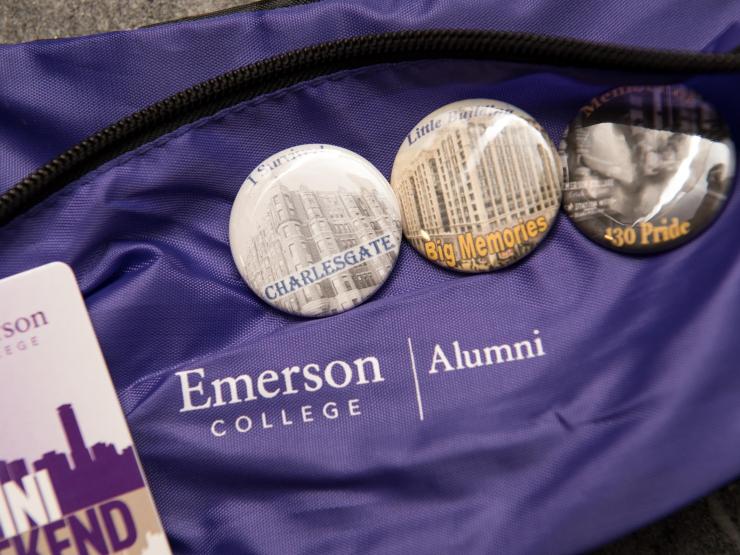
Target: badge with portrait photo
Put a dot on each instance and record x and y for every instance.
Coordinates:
(648, 168)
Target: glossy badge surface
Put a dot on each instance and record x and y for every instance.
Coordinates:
(649, 168)
(315, 230)
(479, 183)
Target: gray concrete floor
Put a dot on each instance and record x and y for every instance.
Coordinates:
(710, 526)
(23, 20)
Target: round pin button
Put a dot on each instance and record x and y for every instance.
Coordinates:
(479, 184)
(315, 230)
(649, 168)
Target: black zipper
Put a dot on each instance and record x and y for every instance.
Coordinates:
(287, 69)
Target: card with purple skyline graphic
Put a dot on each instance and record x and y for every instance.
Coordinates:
(70, 479)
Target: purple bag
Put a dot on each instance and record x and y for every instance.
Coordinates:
(632, 410)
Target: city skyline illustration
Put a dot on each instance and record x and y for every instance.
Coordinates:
(54, 373)
(298, 225)
(84, 476)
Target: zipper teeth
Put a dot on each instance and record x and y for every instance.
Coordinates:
(286, 69)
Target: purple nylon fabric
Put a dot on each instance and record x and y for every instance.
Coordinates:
(633, 411)
(56, 93)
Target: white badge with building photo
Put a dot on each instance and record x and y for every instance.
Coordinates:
(479, 183)
(315, 230)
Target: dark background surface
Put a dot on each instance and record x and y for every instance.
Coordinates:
(709, 526)
(24, 20)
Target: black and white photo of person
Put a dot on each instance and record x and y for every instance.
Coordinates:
(674, 161)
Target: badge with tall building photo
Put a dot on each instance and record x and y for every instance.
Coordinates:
(315, 230)
(479, 183)
(648, 168)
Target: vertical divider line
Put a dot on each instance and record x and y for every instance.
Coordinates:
(416, 381)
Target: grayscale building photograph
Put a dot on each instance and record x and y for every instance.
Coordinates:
(299, 224)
